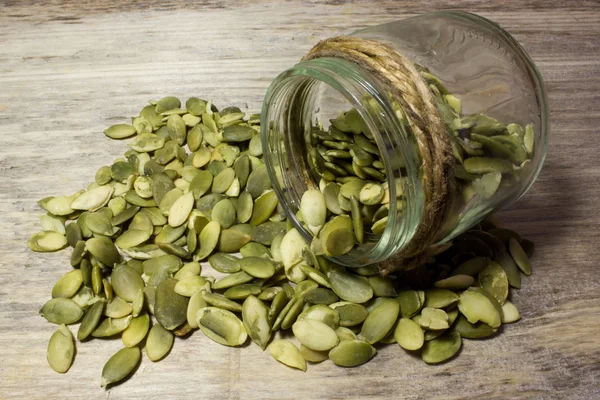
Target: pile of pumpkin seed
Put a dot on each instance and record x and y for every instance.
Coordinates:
(346, 161)
(193, 189)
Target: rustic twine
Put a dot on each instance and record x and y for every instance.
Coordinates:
(405, 84)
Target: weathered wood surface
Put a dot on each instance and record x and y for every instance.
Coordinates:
(69, 70)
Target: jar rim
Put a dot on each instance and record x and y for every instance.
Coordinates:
(352, 82)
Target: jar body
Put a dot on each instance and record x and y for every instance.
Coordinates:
(473, 67)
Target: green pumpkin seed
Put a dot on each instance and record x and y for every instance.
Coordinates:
(231, 240)
(221, 326)
(494, 280)
(90, 320)
(120, 131)
(111, 326)
(253, 249)
(351, 353)
(61, 350)
(455, 282)
(188, 270)
(136, 331)
(195, 304)
(241, 292)
(409, 335)
(126, 282)
(482, 165)
(518, 254)
(61, 311)
(477, 307)
(73, 234)
(351, 314)
(117, 308)
(224, 213)
(47, 241)
(170, 308)
(321, 296)
(159, 342)
(68, 284)
(382, 286)
(263, 208)
(120, 365)
(189, 285)
(510, 313)
(224, 263)
(313, 356)
(441, 349)
(380, 321)
(410, 303)
(471, 267)
(104, 250)
(234, 279)
(287, 353)
(322, 313)
(258, 267)
(350, 287)
(440, 298)
(218, 300)
(209, 238)
(315, 335)
(256, 321)
(223, 180)
(510, 268)
(433, 319)
(180, 210)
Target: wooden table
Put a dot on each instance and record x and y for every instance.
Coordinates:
(68, 71)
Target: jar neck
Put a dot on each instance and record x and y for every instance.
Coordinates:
(288, 117)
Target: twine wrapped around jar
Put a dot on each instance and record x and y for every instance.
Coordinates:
(405, 84)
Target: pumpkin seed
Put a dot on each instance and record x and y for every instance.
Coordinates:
(493, 280)
(351, 314)
(441, 349)
(510, 313)
(351, 353)
(518, 254)
(47, 241)
(256, 321)
(117, 308)
(477, 307)
(409, 334)
(189, 285)
(159, 342)
(170, 308)
(136, 331)
(68, 284)
(231, 240)
(287, 353)
(263, 208)
(350, 287)
(218, 300)
(120, 131)
(126, 282)
(468, 330)
(61, 311)
(455, 282)
(221, 326)
(61, 350)
(258, 267)
(90, 320)
(111, 326)
(120, 365)
(315, 335)
(209, 238)
(380, 321)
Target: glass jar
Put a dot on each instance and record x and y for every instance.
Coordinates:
(476, 70)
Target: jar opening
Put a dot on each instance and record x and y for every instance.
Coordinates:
(300, 104)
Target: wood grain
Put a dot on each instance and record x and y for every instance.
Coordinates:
(70, 69)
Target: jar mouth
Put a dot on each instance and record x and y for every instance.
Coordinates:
(287, 117)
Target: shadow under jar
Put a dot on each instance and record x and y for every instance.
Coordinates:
(332, 124)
